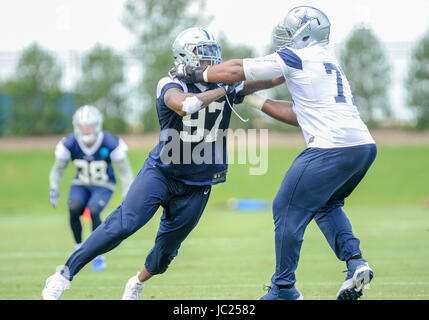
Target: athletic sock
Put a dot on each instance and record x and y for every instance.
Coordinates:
(356, 256)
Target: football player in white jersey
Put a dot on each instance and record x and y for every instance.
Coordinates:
(339, 150)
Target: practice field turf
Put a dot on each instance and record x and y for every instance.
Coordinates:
(230, 255)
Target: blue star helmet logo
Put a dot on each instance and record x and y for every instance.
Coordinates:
(304, 19)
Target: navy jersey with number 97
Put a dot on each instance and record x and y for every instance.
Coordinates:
(193, 148)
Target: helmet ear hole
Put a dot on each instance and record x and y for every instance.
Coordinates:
(305, 38)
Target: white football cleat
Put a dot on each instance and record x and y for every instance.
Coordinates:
(133, 289)
(55, 287)
(352, 288)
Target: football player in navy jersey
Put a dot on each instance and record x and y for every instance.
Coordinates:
(178, 173)
(92, 151)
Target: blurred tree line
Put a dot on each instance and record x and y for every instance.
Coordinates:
(32, 101)
(368, 71)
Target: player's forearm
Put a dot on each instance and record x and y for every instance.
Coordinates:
(277, 109)
(187, 103)
(257, 85)
(227, 72)
(56, 174)
(280, 110)
(209, 96)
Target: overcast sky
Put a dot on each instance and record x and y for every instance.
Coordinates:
(79, 24)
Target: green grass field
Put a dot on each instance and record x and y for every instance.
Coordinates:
(230, 255)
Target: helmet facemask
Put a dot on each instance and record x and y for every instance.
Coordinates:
(87, 124)
(193, 54)
(283, 37)
(210, 52)
(88, 134)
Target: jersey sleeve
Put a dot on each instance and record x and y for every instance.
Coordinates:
(120, 152)
(290, 60)
(167, 83)
(61, 150)
(262, 68)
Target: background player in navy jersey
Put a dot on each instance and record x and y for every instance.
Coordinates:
(92, 151)
(340, 149)
(178, 173)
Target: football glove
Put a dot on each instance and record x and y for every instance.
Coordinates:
(188, 74)
(54, 196)
(238, 99)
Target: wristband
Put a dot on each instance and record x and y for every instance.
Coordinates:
(205, 77)
(254, 101)
(191, 105)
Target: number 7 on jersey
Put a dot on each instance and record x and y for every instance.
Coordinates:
(329, 67)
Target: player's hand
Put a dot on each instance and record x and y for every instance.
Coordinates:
(54, 196)
(229, 88)
(188, 74)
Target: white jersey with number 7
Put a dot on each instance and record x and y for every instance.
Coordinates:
(321, 94)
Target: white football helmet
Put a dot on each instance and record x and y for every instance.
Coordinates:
(303, 26)
(87, 124)
(194, 45)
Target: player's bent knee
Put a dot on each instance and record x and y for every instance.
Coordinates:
(158, 261)
(76, 207)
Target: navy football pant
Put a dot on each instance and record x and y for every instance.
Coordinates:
(315, 187)
(81, 197)
(183, 205)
